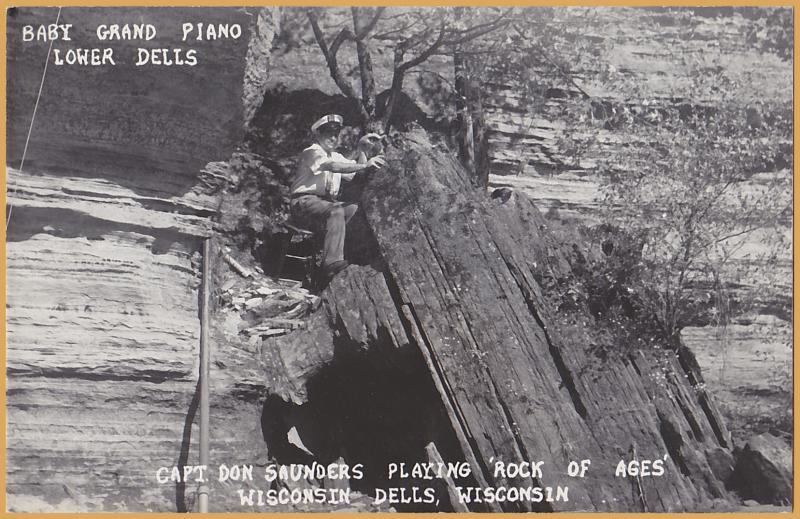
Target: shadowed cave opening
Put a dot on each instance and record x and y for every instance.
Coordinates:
(373, 408)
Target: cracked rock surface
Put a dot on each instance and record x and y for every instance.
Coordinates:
(463, 286)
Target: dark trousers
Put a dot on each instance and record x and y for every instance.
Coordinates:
(332, 217)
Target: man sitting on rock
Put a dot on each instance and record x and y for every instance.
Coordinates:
(317, 179)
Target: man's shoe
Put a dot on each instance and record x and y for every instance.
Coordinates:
(334, 268)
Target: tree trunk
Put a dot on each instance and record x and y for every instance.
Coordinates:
(466, 144)
(480, 136)
(464, 283)
(394, 94)
(472, 138)
(365, 72)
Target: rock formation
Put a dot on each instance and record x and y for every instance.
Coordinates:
(462, 290)
(106, 221)
(763, 470)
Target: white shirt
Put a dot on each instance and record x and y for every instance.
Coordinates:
(309, 179)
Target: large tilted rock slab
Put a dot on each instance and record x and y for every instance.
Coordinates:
(518, 374)
(518, 381)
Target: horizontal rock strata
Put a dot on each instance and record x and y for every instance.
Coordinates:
(107, 218)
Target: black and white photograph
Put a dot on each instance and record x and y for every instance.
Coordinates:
(399, 259)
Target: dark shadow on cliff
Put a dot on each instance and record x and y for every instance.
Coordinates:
(64, 223)
(158, 174)
(186, 443)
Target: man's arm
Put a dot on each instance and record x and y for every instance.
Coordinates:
(348, 168)
(311, 159)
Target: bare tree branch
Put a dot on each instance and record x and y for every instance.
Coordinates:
(386, 35)
(416, 39)
(330, 54)
(476, 31)
(434, 36)
(312, 18)
(365, 61)
(405, 14)
(362, 33)
(426, 53)
(344, 35)
(473, 35)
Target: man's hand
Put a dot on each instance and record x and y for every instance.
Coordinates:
(376, 162)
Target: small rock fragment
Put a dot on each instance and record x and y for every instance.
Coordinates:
(252, 302)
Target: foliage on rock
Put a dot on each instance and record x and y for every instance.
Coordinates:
(606, 283)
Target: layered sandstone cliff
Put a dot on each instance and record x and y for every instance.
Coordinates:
(107, 218)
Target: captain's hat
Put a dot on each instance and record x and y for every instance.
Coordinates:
(328, 119)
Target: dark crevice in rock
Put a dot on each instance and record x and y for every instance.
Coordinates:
(567, 378)
(690, 366)
(361, 248)
(633, 364)
(673, 440)
(713, 420)
(691, 420)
